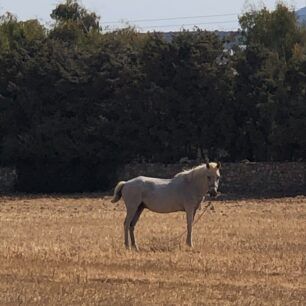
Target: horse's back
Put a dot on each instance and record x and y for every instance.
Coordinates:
(160, 195)
(149, 181)
(143, 184)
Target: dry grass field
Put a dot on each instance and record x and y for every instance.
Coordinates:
(69, 251)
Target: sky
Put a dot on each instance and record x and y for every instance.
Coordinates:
(158, 15)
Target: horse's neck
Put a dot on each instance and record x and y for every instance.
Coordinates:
(199, 181)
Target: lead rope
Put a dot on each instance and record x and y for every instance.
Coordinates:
(179, 237)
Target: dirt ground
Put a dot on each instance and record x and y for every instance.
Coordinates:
(68, 250)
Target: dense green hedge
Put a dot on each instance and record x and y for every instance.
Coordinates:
(76, 103)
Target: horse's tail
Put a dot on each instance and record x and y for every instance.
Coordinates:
(118, 192)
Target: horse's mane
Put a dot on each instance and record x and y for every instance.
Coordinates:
(190, 172)
(194, 171)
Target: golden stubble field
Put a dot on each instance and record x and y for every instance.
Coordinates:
(68, 250)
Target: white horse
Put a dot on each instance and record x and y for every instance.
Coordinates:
(184, 192)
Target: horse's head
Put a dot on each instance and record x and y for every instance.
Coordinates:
(213, 177)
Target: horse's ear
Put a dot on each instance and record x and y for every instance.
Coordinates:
(207, 165)
(218, 165)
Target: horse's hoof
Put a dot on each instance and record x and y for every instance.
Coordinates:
(135, 247)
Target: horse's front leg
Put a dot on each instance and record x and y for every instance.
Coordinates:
(189, 215)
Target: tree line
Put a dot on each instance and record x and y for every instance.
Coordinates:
(76, 102)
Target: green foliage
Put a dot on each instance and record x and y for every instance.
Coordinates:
(259, 75)
(74, 24)
(15, 34)
(76, 103)
(72, 12)
(289, 127)
(271, 76)
(277, 30)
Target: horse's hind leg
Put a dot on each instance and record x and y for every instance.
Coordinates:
(133, 223)
(127, 224)
(131, 212)
(132, 200)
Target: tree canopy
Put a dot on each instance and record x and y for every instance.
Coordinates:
(77, 102)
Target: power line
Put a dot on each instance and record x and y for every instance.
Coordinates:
(177, 18)
(120, 21)
(189, 24)
(170, 18)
